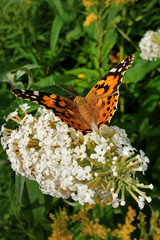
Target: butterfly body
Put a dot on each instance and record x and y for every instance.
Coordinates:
(85, 110)
(84, 113)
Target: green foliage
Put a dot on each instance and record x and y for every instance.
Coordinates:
(44, 43)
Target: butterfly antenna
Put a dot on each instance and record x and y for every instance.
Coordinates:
(65, 90)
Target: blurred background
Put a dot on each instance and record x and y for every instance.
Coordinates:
(72, 44)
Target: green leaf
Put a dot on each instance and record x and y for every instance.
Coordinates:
(153, 131)
(113, 15)
(56, 4)
(4, 203)
(19, 187)
(6, 67)
(139, 69)
(37, 201)
(110, 39)
(11, 74)
(90, 74)
(53, 79)
(55, 31)
(150, 102)
(154, 84)
(91, 48)
(74, 34)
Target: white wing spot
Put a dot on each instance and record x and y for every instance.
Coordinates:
(119, 70)
(34, 97)
(113, 70)
(36, 93)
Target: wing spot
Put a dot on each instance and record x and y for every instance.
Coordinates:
(53, 96)
(34, 97)
(99, 103)
(104, 114)
(108, 108)
(115, 88)
(36, 93)
(106, 88)
(108, 102)
(62, 103)
(106, 122)
(119, 70)
(113, 70)
(103, 104)
(100, 91)
(70, 112)
(109, 98)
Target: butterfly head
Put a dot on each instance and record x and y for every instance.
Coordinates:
(80, 100)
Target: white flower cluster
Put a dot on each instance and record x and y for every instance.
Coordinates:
(150, 45)
(67, 164)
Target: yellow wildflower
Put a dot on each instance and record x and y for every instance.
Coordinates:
(59, 227)
(116, 2)
(89, 3)
(142, 225)
(90, 18)
(90, 227)
(82, 76)
(155, 224)
(93, 228)
(124, 231)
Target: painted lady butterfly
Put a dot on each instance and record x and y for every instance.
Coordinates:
(91, 112)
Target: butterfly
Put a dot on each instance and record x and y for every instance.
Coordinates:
(89, 113)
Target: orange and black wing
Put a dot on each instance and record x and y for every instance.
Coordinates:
(103, 97)
(62, 107)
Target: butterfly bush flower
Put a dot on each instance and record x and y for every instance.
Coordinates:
(150, 45)
(66, 163)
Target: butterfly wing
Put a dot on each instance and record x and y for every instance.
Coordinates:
(101, 100)
(103, 97)
(62, 107)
